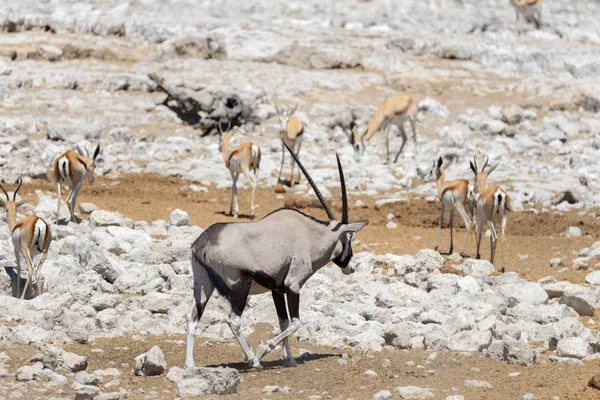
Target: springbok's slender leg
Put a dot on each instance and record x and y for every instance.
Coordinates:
(413, 126)
(493, 239)
(293, 299)
(246, 173)
(404, 140)
(203, 289)
(467, 221)
(503, 227)
(18, 258)
(27, 257)
(437, 243)
(75, 193)
(284, 323)
(234, 195)
(38, 272)
(293, 164)
(479, 233)
(451, 229)
(58, 203)
(386, 135)
(282, 159)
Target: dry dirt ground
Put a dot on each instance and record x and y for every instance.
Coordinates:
(540, 237)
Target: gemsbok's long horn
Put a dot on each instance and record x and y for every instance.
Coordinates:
(312, 184)
(343, 188)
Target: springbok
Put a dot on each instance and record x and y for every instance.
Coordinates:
(279, 253)
(491, 200)
(72, 168)
(30, 236)
(393, 111)
(291, 132)
(240, 159)
(455, 196)
(528, 10)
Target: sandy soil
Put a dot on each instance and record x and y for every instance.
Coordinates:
(320, 373)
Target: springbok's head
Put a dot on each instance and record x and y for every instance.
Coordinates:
(12, 205)
(356, 140)
(437, 169)
(480, 177)
(342, 255)
(90, 162)
(224, 136)
(284, 117)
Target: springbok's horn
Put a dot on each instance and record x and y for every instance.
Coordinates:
(343, 188)
(487, 158)
(20, 180)
(475, 163)
(6, 194)
(312, 184)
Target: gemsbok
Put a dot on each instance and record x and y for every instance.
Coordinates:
(291, 131)
(279, 253)
(528, 10)
(393, 111)
(490, 201)
(454, 195)
(240, 159)
(30, 236)
(71, 168)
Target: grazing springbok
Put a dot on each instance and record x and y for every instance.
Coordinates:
(455, 196)
(72, 168)
(393, 111)
(291, 132)
(30, 236)
(490, 201)
(279, 253)
(240, 159)
(528, 10)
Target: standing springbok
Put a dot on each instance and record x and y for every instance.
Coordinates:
(455, 196)
(279, 253)
(72, 168)
(393, 111)
(240, 159)
(30, 236)
(291, 132)
(528, 10)
(490, 201)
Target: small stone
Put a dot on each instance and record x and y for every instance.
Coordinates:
(573, 231)
(150, 363)
(50, 53)
(341, 361)
(370, 372)
(529, 396)
(390, 217)
(595, 382)
(382, 395)
(455, 397)
(477, 384)
(179, 218)
(414, 392)
(391, 225)
(556, 262)
(574, 347)
(581, 263)
(87, 208)
(85, 392)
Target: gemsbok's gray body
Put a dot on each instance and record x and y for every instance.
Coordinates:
(279, 253)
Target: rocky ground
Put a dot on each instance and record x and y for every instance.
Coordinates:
(148, 81)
